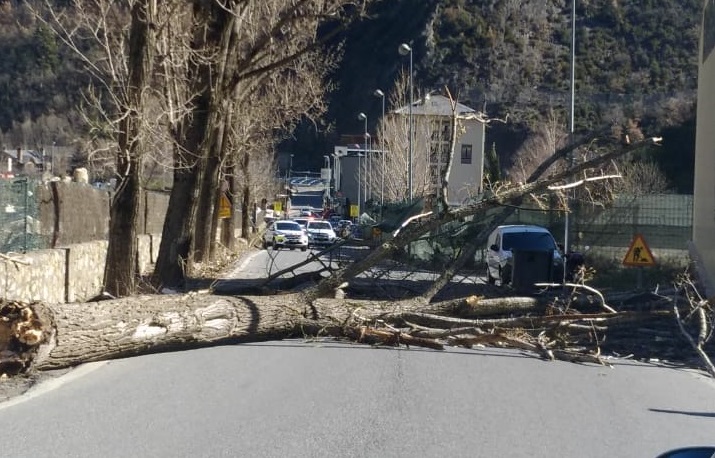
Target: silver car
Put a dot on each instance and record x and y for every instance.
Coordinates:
(285, 234)
(320, 233)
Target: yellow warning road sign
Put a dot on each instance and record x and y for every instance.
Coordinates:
(224, 207)
(639, 255)
(354, 211)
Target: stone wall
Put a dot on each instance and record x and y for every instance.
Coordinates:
(74, 273)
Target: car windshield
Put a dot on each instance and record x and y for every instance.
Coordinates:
(319, 225)
(528, 241)
(287, 226)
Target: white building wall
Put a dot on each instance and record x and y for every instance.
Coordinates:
(465, 180)
(704, 199)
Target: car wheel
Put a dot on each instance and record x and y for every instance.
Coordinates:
(505, 275)
(303, 248)
(275, 247)
(490, 280)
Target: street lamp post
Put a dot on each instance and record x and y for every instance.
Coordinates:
(361, 117)
(571, 120)
(368, 169)
(359, 156)
(379, 93)
(405, 49)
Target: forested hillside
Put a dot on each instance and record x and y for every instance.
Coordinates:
(635, 59)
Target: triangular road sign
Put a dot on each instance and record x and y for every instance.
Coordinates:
(639, 255)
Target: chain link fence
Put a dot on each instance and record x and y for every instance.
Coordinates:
(664, 220)
(20, 228)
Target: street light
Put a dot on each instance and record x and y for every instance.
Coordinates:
(405, 49)
(379, 93)
(571, 121)
(358, 183)
(367, 190)
(361, 117)
(289, 172)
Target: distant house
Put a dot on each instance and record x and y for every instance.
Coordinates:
(703, 247)
(21, 161)
(432, 117)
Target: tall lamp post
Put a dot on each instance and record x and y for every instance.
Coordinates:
(359, 155)
(405, 49)
(379, 93)
(361, 117)
(571, 120)
(368, 169)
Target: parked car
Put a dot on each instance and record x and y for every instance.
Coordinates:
(303, 221)
(285, 234)
(505, 239)
(320, 232)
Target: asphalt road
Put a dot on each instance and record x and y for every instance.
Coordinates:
(327, 399)
(322, 398)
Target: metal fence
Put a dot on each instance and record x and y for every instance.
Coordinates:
(20, 228)
(664, 220)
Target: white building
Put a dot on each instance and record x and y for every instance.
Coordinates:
(703, 248)
(432, 117)
(431, 131)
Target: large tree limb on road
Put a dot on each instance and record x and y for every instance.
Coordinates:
(511, 196)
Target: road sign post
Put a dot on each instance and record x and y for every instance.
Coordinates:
(639, 255)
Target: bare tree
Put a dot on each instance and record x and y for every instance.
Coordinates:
(394, 129)
(547, 137)
(120, 57)
(640, 178)
(241, 42)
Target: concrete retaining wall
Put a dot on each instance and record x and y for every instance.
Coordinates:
(74, 273)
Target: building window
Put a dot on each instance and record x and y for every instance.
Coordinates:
(466, 154)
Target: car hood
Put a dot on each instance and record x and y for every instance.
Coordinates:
(508, 255)
(321, 231)
(284, 232)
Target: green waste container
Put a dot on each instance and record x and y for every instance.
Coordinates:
(530, 267)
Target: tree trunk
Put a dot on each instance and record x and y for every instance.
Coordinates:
(72, 334)
(246, 211)
(228, 225)
(175, 259)
(121, 265)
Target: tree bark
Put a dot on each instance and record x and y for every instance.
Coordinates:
(69, 334)
(121, 266)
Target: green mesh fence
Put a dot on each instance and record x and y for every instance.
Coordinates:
(664, 220)
(20, 228)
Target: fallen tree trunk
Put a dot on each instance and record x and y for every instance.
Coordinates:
(41, 336)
